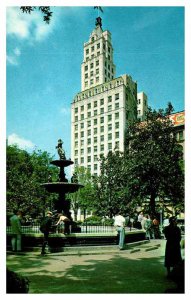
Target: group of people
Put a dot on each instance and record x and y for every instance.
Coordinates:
(150, 225)
(171, 232)
(45, 228)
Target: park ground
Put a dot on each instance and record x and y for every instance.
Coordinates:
(105, 270)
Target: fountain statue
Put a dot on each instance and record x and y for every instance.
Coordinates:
(62, 186)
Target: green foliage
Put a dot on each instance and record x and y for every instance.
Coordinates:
(25, 174)
(93, 220)
(83, 198)
(45, 10)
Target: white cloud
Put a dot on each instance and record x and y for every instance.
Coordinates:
(27, 26)
(21, 142)
(13, 57)
(65, 110)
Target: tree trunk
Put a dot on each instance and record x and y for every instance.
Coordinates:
(152, 204)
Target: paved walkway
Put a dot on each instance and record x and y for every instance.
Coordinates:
(135, 270)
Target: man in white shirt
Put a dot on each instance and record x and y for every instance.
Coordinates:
(119, 223)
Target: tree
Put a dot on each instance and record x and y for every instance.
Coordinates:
(111, 186)
(83, 198)
(25, 173)
(154, 160)
(47, 14)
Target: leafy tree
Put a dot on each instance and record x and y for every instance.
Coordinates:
(111, 186)
(83, 197)
(47, 13)
(154, 160)
(25, 174)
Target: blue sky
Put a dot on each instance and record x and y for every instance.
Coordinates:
(44, 65)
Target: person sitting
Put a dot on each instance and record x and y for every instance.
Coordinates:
(64, 223)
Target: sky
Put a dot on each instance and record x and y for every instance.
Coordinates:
(43, 65)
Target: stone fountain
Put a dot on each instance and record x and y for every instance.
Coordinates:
(62, 186)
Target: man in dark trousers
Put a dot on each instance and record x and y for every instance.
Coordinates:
(45, 228)
(173, 251)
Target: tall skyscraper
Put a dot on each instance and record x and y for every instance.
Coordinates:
(102, 110)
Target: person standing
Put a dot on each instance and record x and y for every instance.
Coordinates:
(64, 223)
(148, 227)
(119, 223)
(45, 228)
(172, 251)
(140, 220)
(15, 222)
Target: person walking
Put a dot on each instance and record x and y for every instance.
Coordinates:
(119, 223)
(15, 222)
(140, 220)
(173, 250)
(45, 228)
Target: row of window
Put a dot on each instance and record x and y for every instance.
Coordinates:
(95, 121)
(95, 130)
(95, 139)
(95, 149)
(93, 48)
(96, 103)
(101, 110)
(139, 101)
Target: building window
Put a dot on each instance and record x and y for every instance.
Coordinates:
(95, 121)
(98, 45)
(89, 158)
(92, 65)
(82, 133)
(89, 141)
(82, 116)
(109, 99)
(82, 151)
(102, 148)
(95, 166)
(139, 112)
(76, 118)
(89, 123)
(91, 81)
(76, 127)
(97, 79)
(95, 148)
(101, 110)
(116, 115)
(86, 68)
(76, 135)
(95, 103)
(76, 161)
(95, 130)
(117, 125)
(116, 105)
(109, 49)
(109, 118)
(95, 139)
(82, 125)
(91, 73)
(116, 96)
(76, 152)
(109, 107)
(82, 142)
(82, 160)
(95, 157)
(109, 127)
(101, 101)
(76, 144)
(109, 146)
(117, 145)
(92, 48)
(102, 129)
(97, 71)
(138, 101)
(76, 110)
(89, 149)
(89, 105)
(95, 112)
(102, 120)
(102, 138)
(86, 75)
(109, 136)
(86, 83)
(117, 134)
(97, 62)
(87, 51)
(89, 131)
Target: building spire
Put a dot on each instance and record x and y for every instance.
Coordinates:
(98, 19)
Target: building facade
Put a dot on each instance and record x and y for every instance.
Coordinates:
(104, 107)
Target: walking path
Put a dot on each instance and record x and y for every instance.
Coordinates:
(134, 270)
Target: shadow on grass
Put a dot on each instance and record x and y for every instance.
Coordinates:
(118, 274)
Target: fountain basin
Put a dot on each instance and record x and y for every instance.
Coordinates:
(59, 187)
(62, 163)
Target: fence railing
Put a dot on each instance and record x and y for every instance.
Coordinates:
(83, 228)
